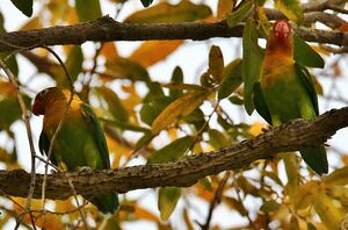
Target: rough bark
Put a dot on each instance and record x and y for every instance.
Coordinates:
(106, 29)
(186, 172)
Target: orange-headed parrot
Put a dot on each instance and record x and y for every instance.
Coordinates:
(286, 90)
(80, 141)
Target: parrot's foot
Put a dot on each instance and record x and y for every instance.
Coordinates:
(84, 169)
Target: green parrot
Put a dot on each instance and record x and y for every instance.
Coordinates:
(80, 141)
(286, 90)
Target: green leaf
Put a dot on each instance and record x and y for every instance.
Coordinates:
(243, 11)
(12, 61)
(224, 123)
(155, 91)
(232, 79)
(185, 11)
(172, 151)
(206, 184)
(115, 107)
(252, 62)
(112, 223)
(125, 125)
(153, 108)
(126, 69)
(235, 99)
(144, 140)
(305, 55)
(146, 3)
(25, 6)
(196, 118)
(217, 139)
(168, 197)
(291, 9)
(88, 9)
(177, 77)
(270, 206)
(74, 62)
(310, 226)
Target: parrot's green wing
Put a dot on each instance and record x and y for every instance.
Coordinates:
(260, 103)
(307, 81)
(315, 156)
(105, 202)
(44, 146)
(97, 131)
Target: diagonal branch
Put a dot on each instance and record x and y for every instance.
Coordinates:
(186, 172)
(106, 29)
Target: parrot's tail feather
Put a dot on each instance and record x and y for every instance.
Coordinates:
(105, 203)
(316, 158)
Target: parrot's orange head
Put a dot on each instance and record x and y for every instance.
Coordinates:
(280, 41)
(282, 30)
(42, 99)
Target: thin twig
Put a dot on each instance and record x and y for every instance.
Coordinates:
(26, 118)
(216, 200)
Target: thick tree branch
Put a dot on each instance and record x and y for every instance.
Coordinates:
(106, 29)
(186, 172)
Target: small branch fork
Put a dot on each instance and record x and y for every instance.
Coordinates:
(183, 173)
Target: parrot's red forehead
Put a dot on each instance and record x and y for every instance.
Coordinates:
(281, 29)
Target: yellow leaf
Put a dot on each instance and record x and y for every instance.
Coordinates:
(133, 98)
(49, 221)
(224, 8)
(216, 63)
(109, 50)
(5, 156)
(33, 23)
(151, 52)
(256, 128)
(291, 8)
(197, 148)
(329, 213)
(294, 223)
(339, 192)
(180, 107)
(64, 205)
(185, 11)
(292, 171)
(167, 200)
(118, 149)
(173, 134)
(337, 177)
(126, 69)
(144, 214)
(306, 194)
